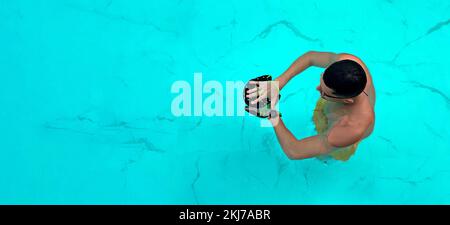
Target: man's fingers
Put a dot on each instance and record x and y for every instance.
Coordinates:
(249, 91)
(252, 95)
(259, 92)
(258, 99)
(250, 109)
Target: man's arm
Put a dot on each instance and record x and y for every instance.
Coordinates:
(340, 135)
(299, 149)
(311, 58)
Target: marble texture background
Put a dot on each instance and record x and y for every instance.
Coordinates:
(85, 101)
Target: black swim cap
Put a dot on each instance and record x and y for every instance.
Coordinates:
(346, 78)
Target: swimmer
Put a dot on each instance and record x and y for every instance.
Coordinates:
(344, 113)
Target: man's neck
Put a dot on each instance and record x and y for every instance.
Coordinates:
(360, 98)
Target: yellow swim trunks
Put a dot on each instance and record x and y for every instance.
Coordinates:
(321, 122)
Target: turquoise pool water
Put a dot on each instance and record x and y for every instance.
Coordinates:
(85, 101)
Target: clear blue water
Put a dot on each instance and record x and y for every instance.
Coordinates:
(85, 101)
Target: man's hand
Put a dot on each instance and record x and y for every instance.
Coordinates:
(262, 91)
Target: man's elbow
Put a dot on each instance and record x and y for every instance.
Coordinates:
(309, 55)
(292, 155)
(295, 157)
